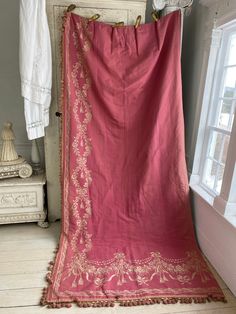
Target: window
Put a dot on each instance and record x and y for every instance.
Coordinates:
(214, 169)
(220, 119)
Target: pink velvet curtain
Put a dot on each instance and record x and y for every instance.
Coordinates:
(127, 233)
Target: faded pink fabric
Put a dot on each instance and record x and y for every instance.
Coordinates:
(127, 229)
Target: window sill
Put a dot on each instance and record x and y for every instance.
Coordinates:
(212, 201)
(203, 193)
(231, 219)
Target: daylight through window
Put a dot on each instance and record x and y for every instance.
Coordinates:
(223, 100)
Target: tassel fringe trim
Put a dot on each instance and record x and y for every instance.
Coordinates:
(128, 302)
(133, 302)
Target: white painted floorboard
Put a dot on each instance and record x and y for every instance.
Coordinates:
(25, 251)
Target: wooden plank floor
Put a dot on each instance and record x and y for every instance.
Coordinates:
(26, 249)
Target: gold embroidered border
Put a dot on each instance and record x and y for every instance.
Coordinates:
(81, 176)
(81, 144)
(64, 134)
(119, 268)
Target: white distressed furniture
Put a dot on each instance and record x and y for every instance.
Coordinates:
(22, 200)
(111, 11)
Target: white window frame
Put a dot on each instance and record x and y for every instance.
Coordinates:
(224, 36)
(225, 202)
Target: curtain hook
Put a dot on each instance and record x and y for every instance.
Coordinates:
(155, 16)
(119, 24)
(94, 17)
(71, 7)
(138, 20)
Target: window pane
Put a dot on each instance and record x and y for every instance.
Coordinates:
(221, 117)
(210, 172)
(215, 145)
(219, 178)
(225, 148)
(229, 89)
(232, 51)
(223, 120)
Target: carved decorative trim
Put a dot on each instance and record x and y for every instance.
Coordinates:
(22, 218)
(20, 199)
(21, 168)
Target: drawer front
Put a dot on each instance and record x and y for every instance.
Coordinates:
(21, 199)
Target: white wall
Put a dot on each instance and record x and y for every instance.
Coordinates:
(11, 105)
(11, 102)
(217, 239)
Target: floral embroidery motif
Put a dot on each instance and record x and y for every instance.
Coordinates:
(183, 270)
(81, 176)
